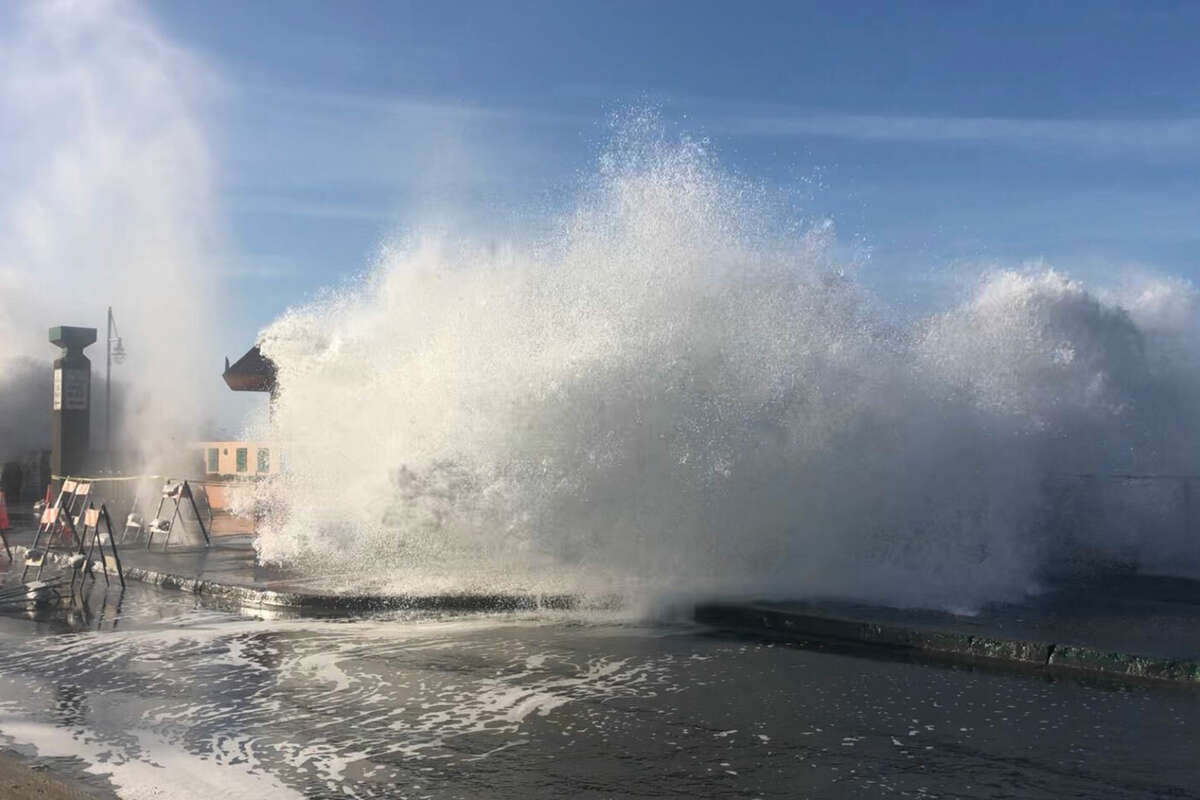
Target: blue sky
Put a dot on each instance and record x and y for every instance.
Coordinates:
(933, 134)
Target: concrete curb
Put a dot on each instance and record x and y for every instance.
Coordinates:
(253, 597)
(801, 627)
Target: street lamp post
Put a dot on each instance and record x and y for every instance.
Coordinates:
(113, 351)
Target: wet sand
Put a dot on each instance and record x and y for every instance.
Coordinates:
(21, 781)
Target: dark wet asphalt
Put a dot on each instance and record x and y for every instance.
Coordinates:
(159, 698)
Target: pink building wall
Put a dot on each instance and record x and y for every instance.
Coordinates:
(232, 461)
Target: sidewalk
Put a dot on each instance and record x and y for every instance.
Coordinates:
(229, 572)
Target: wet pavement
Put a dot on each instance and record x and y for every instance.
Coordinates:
(159, 697)
(229, 567)
(231, 559)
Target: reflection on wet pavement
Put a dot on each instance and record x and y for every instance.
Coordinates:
(155, 692)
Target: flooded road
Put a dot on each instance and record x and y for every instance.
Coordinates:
(160, 698)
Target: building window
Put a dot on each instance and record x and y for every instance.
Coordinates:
(241, 459)
(214, 460)
(264, 460)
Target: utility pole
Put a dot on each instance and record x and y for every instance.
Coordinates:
(108, 390)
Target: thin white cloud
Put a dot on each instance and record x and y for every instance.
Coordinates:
(353, 156)
(260, 272)
(1157, 139)
(284, 206)
(319, 102)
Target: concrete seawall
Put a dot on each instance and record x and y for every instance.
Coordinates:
(806, 627)
(1159, 643)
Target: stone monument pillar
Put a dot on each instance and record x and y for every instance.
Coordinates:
(71, 406)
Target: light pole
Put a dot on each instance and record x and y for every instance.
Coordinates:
(113, 351)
